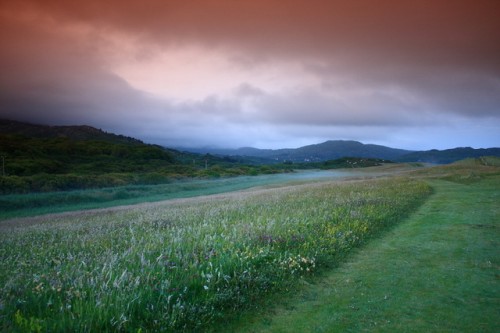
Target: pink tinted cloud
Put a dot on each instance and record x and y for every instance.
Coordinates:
(380, 63)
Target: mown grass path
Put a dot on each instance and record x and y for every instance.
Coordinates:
(438, 271)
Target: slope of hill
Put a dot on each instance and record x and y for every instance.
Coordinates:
(48, 158)
(76, 133)
(448, 155)
(33, 149)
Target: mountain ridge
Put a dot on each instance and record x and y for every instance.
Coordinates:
(320, 152)
(335, 149)
(328, 150)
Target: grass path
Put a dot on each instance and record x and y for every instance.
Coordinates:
(436, 272)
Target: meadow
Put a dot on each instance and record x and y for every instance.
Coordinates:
(437, 271)
(187, 265)
(31, 204)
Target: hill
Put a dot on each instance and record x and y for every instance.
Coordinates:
(38, 158)
(329, 150)
(75, 133)
(33, 149)
(448, 155)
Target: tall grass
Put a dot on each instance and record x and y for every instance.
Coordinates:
(19, 205)
(184, 267)
(466, 171)
(16, 205)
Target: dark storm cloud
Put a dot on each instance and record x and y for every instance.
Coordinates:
(426, 33)
(48, 77)
(380, 63)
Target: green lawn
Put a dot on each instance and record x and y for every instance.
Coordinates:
(436, 272)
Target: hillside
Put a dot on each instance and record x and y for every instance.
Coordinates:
(33, 149)
(37, 158)
(75, 133)
(448, 155)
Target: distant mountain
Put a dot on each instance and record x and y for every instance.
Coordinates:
(325, 151)
(448, 155)
(331, 150)
(86, 145)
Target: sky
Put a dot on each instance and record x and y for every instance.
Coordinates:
(263, 73)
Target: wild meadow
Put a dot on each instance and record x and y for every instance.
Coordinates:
(32, 204)
(436, 271)
(185, 266)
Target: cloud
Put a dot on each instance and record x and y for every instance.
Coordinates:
(310, 106)
(260, 72)
(52, 77)
(390, 32)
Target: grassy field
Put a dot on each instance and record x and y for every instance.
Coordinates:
(436, 272)
(277, 259)
(187, 265)
(20, 205)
